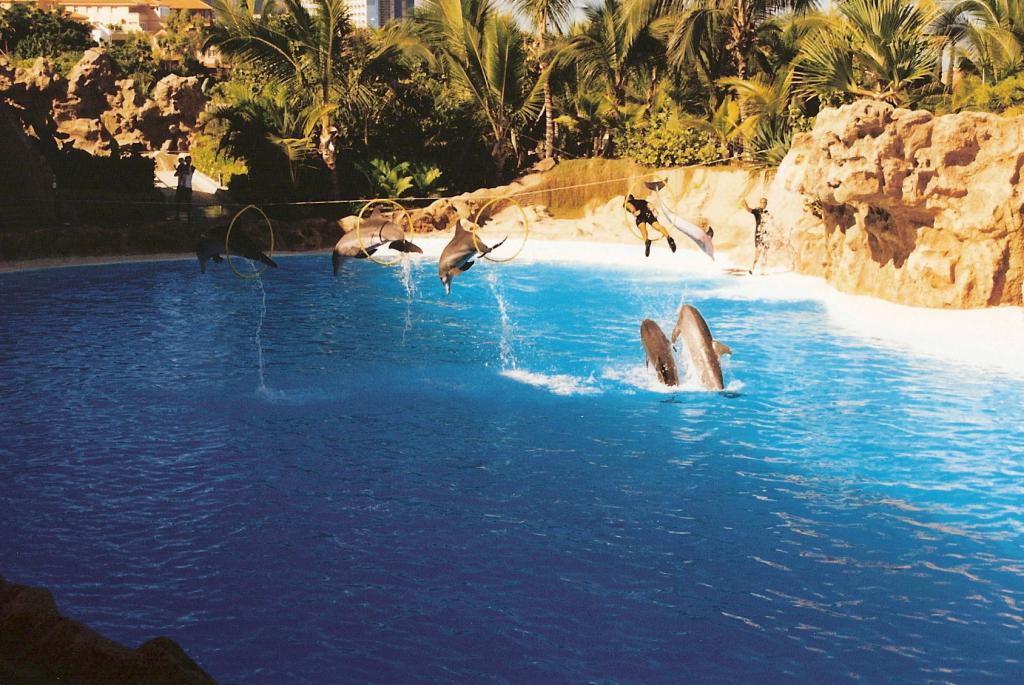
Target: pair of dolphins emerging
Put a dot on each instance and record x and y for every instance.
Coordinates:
(705, 352)
(377, 231)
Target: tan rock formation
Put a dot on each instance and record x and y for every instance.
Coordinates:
(96, 111)
(904, 205)
(33, 88)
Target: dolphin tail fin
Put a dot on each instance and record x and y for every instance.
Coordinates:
(267, 260)
(405, 246)
(217, 259)
(466, 266)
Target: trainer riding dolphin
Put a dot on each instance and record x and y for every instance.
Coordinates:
(659, 352)
(211, 246)
(457, 256)
(704, 351)
(374, 232)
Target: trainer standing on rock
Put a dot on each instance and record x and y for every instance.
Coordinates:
(183, 194)
(760, 231)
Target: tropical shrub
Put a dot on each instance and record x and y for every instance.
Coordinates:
(134, 58)
(182, 40)
(391, 178)
(880, 49)
(29, 32)
(663, 141)
(1005, 96)
(213, 161)
(386, 178)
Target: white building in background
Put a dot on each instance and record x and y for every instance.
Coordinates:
(359, 12)
(362, 13)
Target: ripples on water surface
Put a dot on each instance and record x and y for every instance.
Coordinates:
(447, 489)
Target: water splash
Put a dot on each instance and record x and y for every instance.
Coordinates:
(408, 277)
(505, 351)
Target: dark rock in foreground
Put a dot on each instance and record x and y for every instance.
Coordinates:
(38, 645)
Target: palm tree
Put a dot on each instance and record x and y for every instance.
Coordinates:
(877, 48)
(484, 55)
(613, 55)
(991, 33)
(702, 27)
(547, 16)
(259, 126)
(767, 129)
(305, 51)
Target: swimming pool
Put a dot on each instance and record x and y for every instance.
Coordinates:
(490, 486)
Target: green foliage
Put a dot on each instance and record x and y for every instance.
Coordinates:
(134, 58)
(259, 125)
(427, 180)
(877, 48)
(213, 161)
(390, 178)
(484, 54)
(663, 141)
(27, 32)
(1006, 96)
(62, 63)
(182, 40)
(386, 178)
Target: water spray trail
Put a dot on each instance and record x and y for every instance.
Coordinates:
(505, 351)
(409, 281)
(259, 327)
(407, 278)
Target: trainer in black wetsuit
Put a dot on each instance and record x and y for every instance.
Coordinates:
(760, 231)
(645, 217)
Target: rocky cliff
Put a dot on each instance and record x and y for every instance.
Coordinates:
(97, 112)
(904, 205)
(38, 645)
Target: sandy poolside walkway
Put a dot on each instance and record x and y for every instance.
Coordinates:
(989, 340)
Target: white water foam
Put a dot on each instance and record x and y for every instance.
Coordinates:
(558, 383)
(505, 351)
(642, 377)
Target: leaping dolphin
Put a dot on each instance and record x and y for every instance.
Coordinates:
(211, 246)
(374, 232)
(703, 350)
(659, 352)
(457, 256)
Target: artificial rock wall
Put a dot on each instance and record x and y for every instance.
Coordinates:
(904, 205)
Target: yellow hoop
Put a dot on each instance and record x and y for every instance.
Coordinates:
(359, 224)
(227, 240)
(475, 226)
(631, 220)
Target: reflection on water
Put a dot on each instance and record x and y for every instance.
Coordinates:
(491, 485)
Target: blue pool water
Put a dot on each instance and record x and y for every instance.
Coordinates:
(489, 487)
